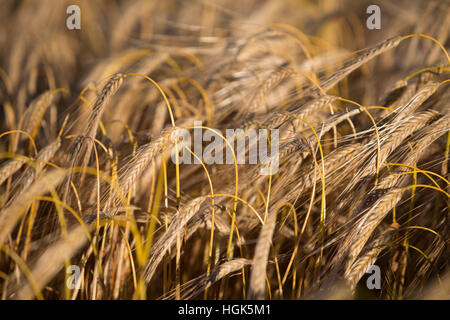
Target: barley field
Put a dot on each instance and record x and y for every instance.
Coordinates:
(93, 205)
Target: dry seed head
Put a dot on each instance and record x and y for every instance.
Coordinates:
(11, 214)
(137, 163)
(9, 168)
(167, 240)
(368, 223)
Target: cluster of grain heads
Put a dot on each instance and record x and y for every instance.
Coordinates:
(87, 175)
